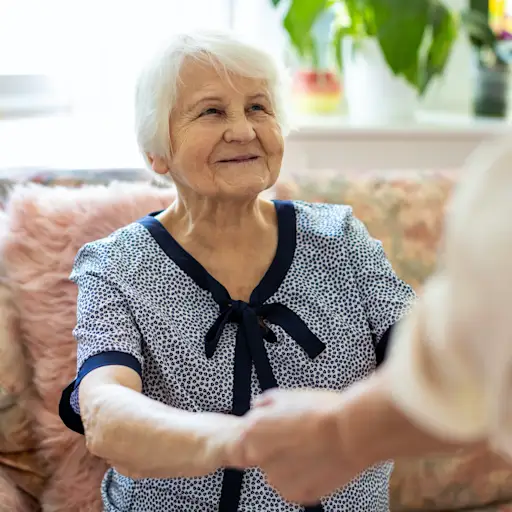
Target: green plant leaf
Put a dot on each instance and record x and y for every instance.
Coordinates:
(400, 28)
(481, 6)
(338, 35)
(413, 73)
(477, 27)
(311, 51)
(361, 17)
(354, 8)
(299, 20)
(443, 33)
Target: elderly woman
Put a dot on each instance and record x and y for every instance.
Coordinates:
(187, 315)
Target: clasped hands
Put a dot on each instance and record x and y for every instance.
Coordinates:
(298, 439)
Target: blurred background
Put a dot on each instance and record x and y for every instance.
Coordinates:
(389, 97)
(366, 69)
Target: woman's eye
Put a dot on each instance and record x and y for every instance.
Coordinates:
(256, 108)
(210, 111)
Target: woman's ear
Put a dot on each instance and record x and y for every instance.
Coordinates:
(158, 164)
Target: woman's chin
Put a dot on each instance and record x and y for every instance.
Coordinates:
(245, 187)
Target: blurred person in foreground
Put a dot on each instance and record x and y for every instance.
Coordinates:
(447, 381)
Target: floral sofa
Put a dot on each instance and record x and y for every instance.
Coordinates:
(48, 216)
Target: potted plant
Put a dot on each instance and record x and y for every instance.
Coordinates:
(490, 40)
(389, 50)
(316, 84)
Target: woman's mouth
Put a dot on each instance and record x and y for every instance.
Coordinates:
(240, 159)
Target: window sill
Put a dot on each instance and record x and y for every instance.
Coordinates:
(427, 124)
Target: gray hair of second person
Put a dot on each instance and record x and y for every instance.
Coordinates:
(157, 84)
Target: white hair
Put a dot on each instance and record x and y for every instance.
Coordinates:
(156, 88)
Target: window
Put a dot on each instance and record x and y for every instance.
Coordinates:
(85, 55)
(260, 22)
(83, 58)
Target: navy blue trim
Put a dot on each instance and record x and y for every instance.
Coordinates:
(382, 347)
(175, 251)
(252, 330)
(271, 281)
(71, 419)
(314, 508)
(286, 244)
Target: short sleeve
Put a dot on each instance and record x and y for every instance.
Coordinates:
(385, 297)
(106, 332)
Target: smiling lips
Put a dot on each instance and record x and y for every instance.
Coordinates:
(239, 159)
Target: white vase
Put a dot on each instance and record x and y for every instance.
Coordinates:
(373, 94)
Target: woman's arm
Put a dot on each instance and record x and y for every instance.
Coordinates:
(375, 429)
(139, 436)
(143, 438)
(311, 442)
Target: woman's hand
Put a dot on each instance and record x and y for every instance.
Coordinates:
(296, 438)
(221, 438)
(313, 442)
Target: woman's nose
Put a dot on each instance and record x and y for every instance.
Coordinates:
(239, 129)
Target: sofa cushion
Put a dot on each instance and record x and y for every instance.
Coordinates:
(404, 209)
(15, 432)
(25, 471)
(461, 481)
(13, 499)
(46, 228)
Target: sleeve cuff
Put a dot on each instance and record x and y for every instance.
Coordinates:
(72, 419)
(382, 346)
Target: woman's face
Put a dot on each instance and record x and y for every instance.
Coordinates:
(225, 139)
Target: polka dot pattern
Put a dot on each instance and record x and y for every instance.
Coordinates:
(135, 299)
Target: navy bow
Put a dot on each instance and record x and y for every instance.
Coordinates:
(250, 349)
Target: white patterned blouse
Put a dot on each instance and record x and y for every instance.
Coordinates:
(320, 318)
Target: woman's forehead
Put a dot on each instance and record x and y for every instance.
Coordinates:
(200, 80)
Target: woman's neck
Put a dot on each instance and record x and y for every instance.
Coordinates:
(217, 223)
